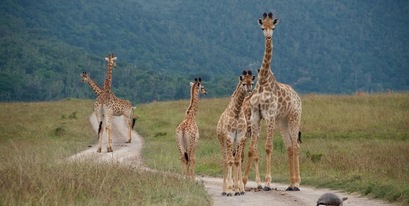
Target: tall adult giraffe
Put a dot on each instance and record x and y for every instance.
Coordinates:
(121, 108)
(231, 132)
(275, 103)
(187, 132)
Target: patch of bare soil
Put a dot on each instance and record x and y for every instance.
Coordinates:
(130, 154)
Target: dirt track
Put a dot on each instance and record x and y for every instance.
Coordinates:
(130, 154)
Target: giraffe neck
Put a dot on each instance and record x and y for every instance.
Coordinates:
(95, 87)
(194, 101)
(108, 79)
(265, 74)
(237, 100)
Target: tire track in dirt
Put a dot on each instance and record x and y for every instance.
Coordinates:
(130, 154)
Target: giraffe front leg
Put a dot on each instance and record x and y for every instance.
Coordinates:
(230, 162)
(269, 151)
(236, 174)
(240, 176)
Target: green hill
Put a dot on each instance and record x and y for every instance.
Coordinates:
(319, 46)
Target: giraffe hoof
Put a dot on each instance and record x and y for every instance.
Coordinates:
(259, 187)
(229, 194)
(266, 188)
(242, 193)
(128, 141)
(99, 150)
(293, 189)
(224, 193)
(237, 194)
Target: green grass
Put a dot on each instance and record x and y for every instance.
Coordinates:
(352, 143)
(36, 139)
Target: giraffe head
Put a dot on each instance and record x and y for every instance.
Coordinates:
(268, 24)
(111, 60)
(247, 80)
(198, 85)
(85, 76)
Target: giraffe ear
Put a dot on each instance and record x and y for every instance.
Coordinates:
(114, 58)
(276, 21)
(106, 59)
(260, 22)
(191, 83)
(254, 77)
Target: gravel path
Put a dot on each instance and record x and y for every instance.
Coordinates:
(130, 154)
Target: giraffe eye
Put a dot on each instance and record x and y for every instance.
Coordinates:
(262, 29)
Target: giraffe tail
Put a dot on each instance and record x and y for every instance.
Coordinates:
(299, 137)
(133, 122)
(99, 129)
(186, 157)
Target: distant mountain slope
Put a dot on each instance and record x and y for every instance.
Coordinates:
(319, 46)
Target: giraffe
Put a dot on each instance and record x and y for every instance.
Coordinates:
(231, 132)
(187, 132)
(123, 107)
(110, 106)
(275, 103)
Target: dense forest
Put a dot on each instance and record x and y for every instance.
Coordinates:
(320, 46)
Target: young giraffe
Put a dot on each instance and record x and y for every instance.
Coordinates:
(126, 110)
(231, 132)
(275, 103)
(187, 132)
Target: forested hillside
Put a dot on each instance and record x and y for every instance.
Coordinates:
(320, 46)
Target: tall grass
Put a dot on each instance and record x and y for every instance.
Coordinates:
(36, 139)
(353, 143)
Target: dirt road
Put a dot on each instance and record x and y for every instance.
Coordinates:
(130, 154)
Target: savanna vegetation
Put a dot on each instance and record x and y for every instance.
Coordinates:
(352, 143)
(37, 138)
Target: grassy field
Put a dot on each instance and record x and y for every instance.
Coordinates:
(36, 139)
(352, 143)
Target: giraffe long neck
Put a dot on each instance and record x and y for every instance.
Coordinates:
(108, 79)
(265, 73)
(95, 87)
(194, 101)
(237, 100)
